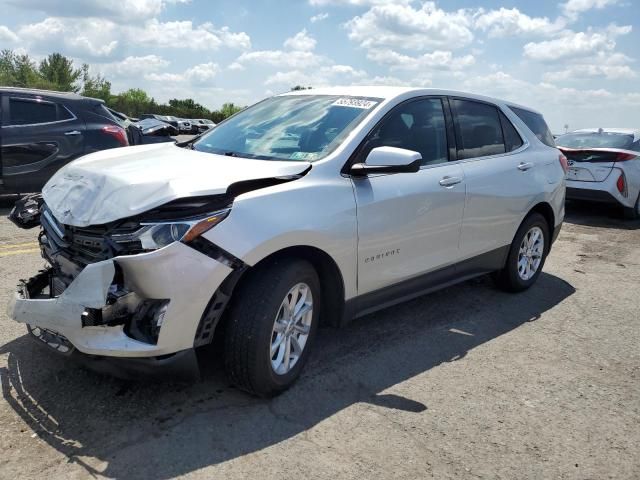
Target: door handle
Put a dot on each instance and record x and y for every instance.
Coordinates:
(72, 132)
(525, 166)
(450, 181)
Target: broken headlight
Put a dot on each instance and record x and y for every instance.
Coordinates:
(152, 236)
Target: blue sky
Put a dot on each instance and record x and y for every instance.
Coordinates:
(574, 60)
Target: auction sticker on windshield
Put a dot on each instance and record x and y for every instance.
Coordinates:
(354, 103)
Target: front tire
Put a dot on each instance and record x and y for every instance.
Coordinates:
(527, 255)
(272, 323)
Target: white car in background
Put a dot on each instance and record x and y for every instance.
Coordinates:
(604, 166)
(307, 208)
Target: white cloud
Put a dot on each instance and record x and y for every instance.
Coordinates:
(184, 34)
(406, 27)
(96, 37)
(580, 72)
(91, 37)
(200, 74)
(611, 66)
(132, 66)
(319, 17)
(282, 59)
(437, 60)
(320, 77)
(571, 45)
(511, 22)
(573, 8)
(358, 3)
(6, 35)
(121, 10)
(301, 41)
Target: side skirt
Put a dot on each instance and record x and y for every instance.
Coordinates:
(427, 283)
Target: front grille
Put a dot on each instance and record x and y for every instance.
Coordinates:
(85, 245)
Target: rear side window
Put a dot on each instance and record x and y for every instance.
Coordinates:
(512, 140)
(536, 124)
(28, 112)
(478, 129)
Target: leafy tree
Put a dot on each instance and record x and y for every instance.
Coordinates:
(95, 86)
(229, 109)
(58, 71)
(133, 102)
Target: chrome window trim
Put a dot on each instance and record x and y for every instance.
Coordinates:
(35, 100)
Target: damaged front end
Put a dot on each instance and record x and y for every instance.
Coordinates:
(120, 306)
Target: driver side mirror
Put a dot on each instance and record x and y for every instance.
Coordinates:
(388, 160)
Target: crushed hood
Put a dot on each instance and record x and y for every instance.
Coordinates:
(118, 183)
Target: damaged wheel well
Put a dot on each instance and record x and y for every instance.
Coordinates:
(331, 280)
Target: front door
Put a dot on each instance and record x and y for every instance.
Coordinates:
(409, 223)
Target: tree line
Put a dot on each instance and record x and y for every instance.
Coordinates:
(57, 72)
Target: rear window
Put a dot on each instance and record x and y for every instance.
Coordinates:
(29, 112)
(536, 124)
(623, 141)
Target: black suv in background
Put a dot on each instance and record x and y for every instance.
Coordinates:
(40, 131)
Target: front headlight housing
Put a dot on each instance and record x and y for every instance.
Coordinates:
(153, 236)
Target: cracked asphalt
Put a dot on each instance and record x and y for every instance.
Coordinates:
(468, 382)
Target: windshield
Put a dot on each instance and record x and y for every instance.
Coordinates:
(291, 127)
(597, 140)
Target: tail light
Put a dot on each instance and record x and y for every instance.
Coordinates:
(622, 156)
(118, 133)
(621, 184)
(564, 163)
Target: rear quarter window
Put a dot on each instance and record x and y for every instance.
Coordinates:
(536, 124)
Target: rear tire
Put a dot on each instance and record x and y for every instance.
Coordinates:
(633, 213)
(260, 323)
(526, 255)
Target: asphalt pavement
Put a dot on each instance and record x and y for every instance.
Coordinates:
(468, 382)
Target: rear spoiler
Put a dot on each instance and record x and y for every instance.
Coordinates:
(613, 154)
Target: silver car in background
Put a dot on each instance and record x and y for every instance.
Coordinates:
(307, 208)
(604, 166)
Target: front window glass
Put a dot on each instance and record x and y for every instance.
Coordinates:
(418, 126)
(597, 140)
(291, 127)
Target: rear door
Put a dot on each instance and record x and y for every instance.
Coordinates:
(39, 135)
(501, 176)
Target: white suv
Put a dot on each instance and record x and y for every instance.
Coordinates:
(307, 208)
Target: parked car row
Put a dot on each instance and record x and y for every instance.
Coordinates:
(40, 131)
(184, 125)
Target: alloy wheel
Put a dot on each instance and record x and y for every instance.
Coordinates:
(530, 253)
(291, 328)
